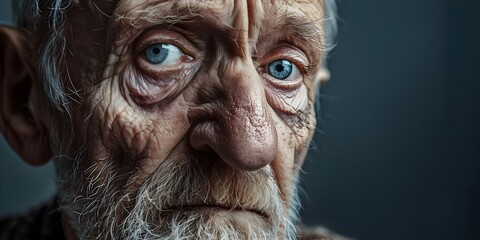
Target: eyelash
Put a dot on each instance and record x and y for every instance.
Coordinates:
(168, 38)
(304, 69)
(309, 69)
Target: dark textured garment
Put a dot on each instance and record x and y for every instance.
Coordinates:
(317, 233)
(46, 224)
(42, 224)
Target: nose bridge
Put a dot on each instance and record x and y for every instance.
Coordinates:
(250, 136)
(243, 89)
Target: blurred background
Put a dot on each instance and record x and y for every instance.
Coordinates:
(397, 152)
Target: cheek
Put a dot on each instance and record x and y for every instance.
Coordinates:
(293, 142)
(130, 135)
(144, 92)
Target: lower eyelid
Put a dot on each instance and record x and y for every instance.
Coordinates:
(153, 71)
(283, 84)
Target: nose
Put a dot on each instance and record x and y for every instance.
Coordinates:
(239, 129)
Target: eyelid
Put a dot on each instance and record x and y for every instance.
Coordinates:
(156, 35)
(288, 53)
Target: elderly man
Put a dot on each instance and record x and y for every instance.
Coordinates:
(165, 119)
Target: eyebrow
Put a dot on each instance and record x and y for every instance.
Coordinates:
(299, 26)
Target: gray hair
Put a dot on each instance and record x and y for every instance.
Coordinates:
(30, 15)
(330, 22)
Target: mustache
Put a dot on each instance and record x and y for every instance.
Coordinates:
(197, 182)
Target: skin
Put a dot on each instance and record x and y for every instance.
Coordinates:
(215, 102)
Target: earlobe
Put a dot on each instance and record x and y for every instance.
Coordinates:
(323, 75)
(20, 121)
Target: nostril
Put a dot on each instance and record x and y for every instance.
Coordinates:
(203, 148)
(202, 137)
(239, 145)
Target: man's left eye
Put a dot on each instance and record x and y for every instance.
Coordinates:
(282, 69)
(162, 53)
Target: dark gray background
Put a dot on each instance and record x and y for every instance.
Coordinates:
(397, 155)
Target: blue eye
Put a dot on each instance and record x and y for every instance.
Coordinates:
(162, 53)
(280, 69)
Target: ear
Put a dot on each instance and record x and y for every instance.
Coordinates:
(20, 119)
(323, 75)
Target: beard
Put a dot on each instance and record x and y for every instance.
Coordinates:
(194, 199)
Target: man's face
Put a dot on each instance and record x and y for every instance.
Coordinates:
(194, 116)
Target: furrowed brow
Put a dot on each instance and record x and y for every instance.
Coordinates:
(152, 15)
(131, 21)
(303, 28)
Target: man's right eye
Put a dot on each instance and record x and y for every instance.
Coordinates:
(162, 54)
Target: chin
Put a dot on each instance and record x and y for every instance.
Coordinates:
(202, 223)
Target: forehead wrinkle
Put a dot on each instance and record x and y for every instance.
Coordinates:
(241, 22)
(161, 11)
(131, 15)
(256, 15)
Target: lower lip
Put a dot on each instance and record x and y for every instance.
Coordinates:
(222, 211)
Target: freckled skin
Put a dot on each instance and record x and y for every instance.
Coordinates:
(220, 106)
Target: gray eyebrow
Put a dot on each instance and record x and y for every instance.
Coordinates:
(304, 28)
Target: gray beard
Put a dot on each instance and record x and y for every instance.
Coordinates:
(104, 203)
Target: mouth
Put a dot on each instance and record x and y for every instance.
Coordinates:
(216, 208)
